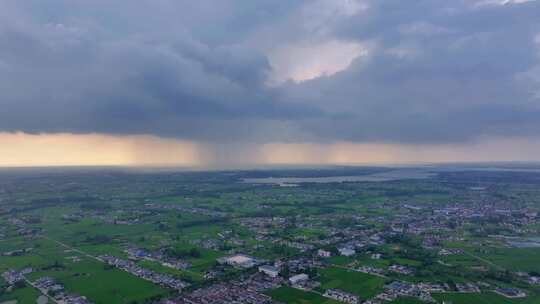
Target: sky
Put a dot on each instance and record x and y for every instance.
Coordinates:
(232, 83)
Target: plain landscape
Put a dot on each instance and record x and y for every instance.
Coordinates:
(432, 234)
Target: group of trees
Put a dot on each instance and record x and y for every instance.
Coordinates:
(97, 206)
(204, 222)
(183, 253)
(98, 239)
(54, 266)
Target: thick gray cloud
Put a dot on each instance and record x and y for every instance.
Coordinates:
(420, 71)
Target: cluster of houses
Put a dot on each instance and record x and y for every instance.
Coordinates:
(210, 244)
(303, 247)
(533, 280)
(399, 289)
(400, 269)
(192, 210)
(299, 265)
(417, 220)
(506, 212)
(46, 285)
(450, 251)
(512, 293)
(13, 276)
(226, 238)
(264, 229)
(370, 270)
(50, 287)
(258, 224)
(223, 293)
(147, 274)
(157, 256)
(73, 217)
(341, 296)
(261, 282)
(423, 290)
(467, 287)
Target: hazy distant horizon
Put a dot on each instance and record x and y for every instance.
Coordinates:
(488, 165)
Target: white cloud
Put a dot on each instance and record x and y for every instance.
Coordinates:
(404, 51)
(499, 2)
(534, 73)
(305, 61)
(423, 28)
(319, 17)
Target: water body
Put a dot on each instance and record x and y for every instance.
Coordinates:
(517, 244)
(531, 242)
(376, 177)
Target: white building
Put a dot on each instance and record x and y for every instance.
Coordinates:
(298, 278)
(376, 256)
(323, 253)
(238, 260)
(269, 270)
(346, 251)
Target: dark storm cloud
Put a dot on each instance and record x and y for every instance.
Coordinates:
(434, 71)
(442, 71)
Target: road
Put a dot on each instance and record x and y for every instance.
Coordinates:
(41, 291)
(485, 261)
(73, 248)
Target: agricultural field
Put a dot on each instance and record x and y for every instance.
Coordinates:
(361, 284)
(483, 298)
(141, 237)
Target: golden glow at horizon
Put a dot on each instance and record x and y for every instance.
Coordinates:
(63, 149)
(21, 149)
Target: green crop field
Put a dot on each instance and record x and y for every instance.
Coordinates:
(88, 277)
(25, 295)
(103, 286)
(474, 298)
(407, 300)
(361, 284)
(517, 259)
